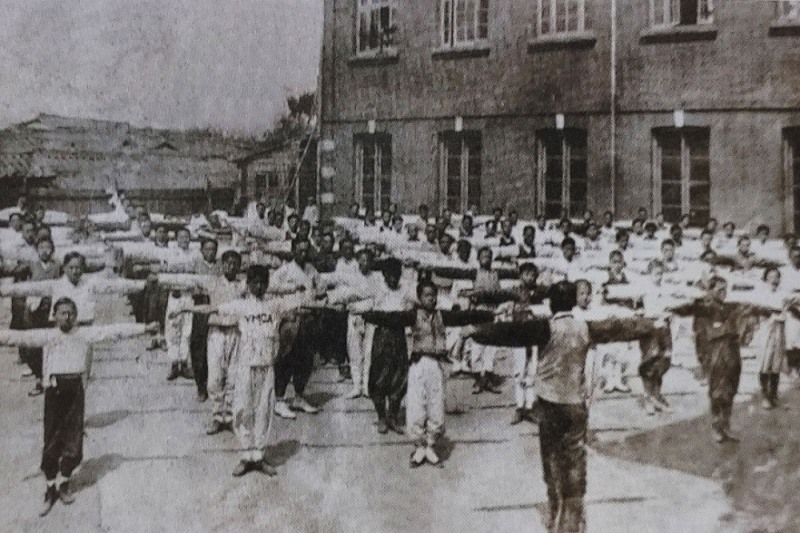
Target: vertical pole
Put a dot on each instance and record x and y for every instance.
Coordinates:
(613, 161)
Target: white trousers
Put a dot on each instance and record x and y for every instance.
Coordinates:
(178, 330)
(482, 357)
(253, 409)
(425, 401)
(524, 374)
(222, 358)
(359, 351)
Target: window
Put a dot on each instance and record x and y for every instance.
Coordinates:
(561, 16)
(463, 22)
(273, 180)
(681, 173)
(681, 12)
(376, 25)
(374, 171)
(460, 170)
(791, 170)
(789, 10)
(562, 172)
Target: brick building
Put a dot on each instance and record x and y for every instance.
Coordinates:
(563, 105)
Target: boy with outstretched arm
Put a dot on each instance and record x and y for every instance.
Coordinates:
(425, 393)
(563, 343)
(66, 366)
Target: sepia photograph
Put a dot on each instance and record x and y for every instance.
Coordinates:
(389, 266)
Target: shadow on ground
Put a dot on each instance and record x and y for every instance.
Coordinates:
(761, 474)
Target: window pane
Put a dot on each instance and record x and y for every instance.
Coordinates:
(699, 196)
(483, 20)
(671, 193)
(474, 170)
(572, 14)
(544, 14)
(672, 214)
(561, 15)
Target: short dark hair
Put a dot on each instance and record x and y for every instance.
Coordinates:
(74, 255)
(392, 267)
(423, 284)
(298, 242)
(257, 273)
(762, 227)
(622, 232)
(231, 254)
(207, 240)
(563, 296)
(45, 239)
(568, 240)
(183, 228)
(528, 267)
(770, 269)
(529, 227)
(65, 301)
(716, 280)
(666, 242)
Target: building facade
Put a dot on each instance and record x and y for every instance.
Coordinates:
(558, 106)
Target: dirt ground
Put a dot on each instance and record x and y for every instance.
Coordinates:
(150, 467)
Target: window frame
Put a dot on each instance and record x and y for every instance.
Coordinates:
(674, 8)
(448, 23)
(658, 135)
(553, 31)
(368, 9)
(568, 139)
(467, 180)
(790, 141)
(380, 175)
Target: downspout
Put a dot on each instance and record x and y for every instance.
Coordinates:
(613, 73)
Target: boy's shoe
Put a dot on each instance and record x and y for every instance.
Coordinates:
(395, 426)
(383, 427)
(37, 390)
(241, 468)
(26, 373)
(264, 467)
(202, 396)
(174, 371)
(64, 494)
(50, 499)
(519, 416)
(186, 371)
(283, 411)
(301, 404)
(215, 427)
(417, 457)
(431, 456)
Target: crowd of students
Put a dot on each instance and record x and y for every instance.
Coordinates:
(244, 306)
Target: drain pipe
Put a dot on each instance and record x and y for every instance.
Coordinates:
(613, 73)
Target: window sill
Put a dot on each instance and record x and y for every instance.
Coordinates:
(375, 58)
(785, 28)
(679, 34)
(563, 41)
(459, 52)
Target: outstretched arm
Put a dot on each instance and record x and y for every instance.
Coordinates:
(32, 338)
(117, 286)
(620, 329)
(534, 332)
(116, 332)
(396, 319)
(28, 288)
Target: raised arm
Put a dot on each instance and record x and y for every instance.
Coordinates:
(187, 281)
(620, 329)
(534, 332)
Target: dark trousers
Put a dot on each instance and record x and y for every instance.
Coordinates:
(296, 360)
(155, 300)
(725, 369)
(562, 439)
(388, 372)
(333, 337)
(769, 386)
(63, 426)
(198, 345)
(793, 359)
(656, 359)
